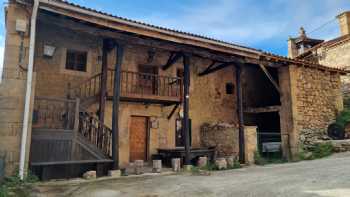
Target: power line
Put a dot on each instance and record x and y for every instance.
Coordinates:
(323, 25)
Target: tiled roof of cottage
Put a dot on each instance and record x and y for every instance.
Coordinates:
(262, 54)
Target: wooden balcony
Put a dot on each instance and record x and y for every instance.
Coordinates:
(148, 88)
(134, 87)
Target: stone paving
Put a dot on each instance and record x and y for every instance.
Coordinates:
(329, 177)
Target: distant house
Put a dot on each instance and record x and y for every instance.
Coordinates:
(333, 53)
(87, 90)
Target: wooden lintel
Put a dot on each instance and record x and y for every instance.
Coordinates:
(173, 58)
(269, 76)
(256, 110)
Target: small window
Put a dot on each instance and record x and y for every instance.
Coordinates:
(76, 60)
(229, 88)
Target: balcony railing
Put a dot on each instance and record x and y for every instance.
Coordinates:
(147, 86)
(133, 85)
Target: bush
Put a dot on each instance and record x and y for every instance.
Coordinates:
(258, 159)
(322, 150)
(343, 118)
(318, 151)
(15, 184)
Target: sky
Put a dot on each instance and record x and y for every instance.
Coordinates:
(261, 24)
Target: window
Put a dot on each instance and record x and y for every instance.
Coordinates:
(229, 88)
(76, 60)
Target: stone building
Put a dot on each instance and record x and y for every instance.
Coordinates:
(86, 90)
(332, 53)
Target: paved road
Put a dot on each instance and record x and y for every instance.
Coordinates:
(319, 178)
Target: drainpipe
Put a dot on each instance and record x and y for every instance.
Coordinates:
(28, 89)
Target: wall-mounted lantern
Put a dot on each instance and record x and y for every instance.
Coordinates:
(49, 50)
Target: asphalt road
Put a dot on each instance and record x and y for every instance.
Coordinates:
(319, 178)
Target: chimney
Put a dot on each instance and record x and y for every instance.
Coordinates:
(344, 23)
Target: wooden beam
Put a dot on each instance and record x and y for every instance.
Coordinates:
(240, 113)
(173, 111)
(186, 101)
(161, 45)
(211, 68)
(269, 76)
(116, 100)
(103, 84)
(173, 58)
(256, 110)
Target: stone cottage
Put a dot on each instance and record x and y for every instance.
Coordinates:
(333, 53)
(84, 90)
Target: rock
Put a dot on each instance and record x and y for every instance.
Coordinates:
(202, 162)
(89, 175)
(157, 166)
(138, 166)
(114, 173)
(308, 155)
(230, 161)
(188, 168)
(176, 164)
(221, 163)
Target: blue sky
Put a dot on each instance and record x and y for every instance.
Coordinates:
(262, 24)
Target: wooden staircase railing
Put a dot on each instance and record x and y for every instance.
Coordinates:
(96, 132)
(86, 89)
(68, 115)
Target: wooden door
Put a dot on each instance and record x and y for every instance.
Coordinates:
(138, 138)
(148, 79)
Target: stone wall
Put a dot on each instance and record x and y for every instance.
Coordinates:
(318, 101)
(337, 55)
(222, 136)
(12, 89)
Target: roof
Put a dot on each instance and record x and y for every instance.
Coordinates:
(186, 35)
(329, 43)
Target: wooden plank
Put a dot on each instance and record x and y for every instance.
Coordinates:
(240, 114)
(216, 68)
(274, 108)
(69, 162)
(269, 76)
(173, 58)
(116, 101)
(186, 102)
(146, 31)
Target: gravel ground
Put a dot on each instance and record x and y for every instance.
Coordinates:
(319, 178)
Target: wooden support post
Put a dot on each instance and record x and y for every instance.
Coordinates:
(240, 114)
(185, 123)
(116, 100)
(75, 127)
(103, 81)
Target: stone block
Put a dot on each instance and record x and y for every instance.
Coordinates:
(202, 162)
(188, 168)
(230, 161)
(221, 163)
(176, 164)
(138, 166)
(157, 166)
(114, 173)
(89, 175)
